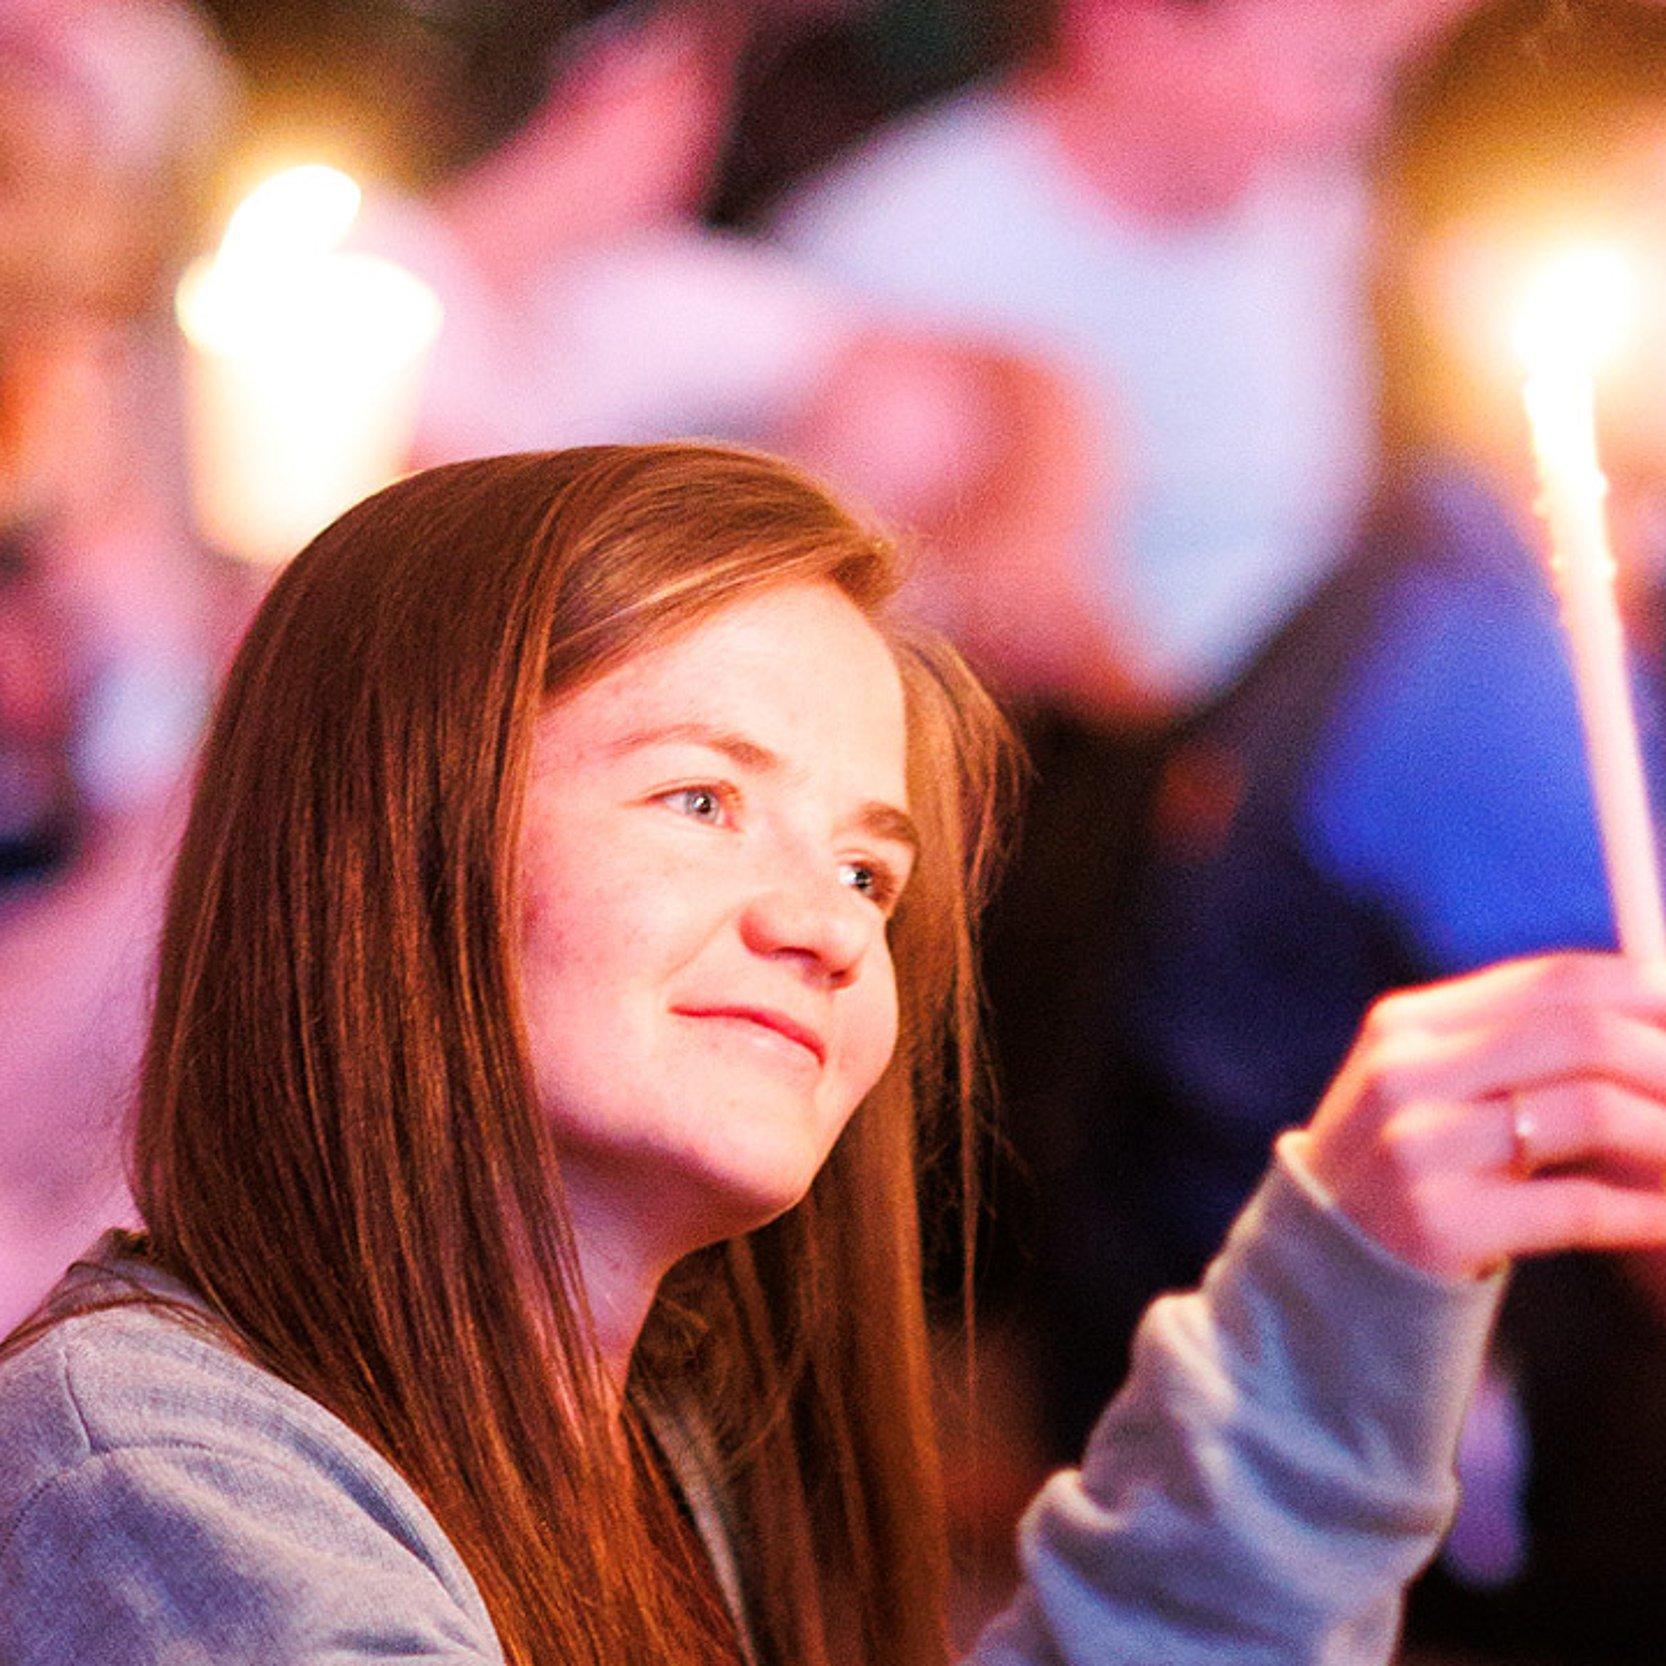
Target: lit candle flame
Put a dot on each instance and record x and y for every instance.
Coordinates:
(1574, 316)
(1576, 311)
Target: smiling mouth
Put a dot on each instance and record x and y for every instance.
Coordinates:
(764, 1018)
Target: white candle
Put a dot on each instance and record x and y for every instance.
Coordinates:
(1569, 323)
(305, 368)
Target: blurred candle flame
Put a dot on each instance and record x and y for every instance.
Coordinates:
(306, 366)
(298, 214)
(1576, 311)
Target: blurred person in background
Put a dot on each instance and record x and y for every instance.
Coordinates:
(1399, 793)
(585, 301)
(110, 617)
(1168, 197)
(819, 74)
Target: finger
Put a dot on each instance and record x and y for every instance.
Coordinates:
(1596, 1123)
(1602, 1126)
(1506, 1219)
(1520, 987)
(1525, 1052)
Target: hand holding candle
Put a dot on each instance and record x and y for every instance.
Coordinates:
(1573, 317)
(305, 370)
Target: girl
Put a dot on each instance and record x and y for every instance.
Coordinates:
(566, 963)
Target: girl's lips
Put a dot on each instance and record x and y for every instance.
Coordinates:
(770, 1019)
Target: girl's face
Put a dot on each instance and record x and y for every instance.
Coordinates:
(715, 836)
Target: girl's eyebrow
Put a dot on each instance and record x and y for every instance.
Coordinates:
(746, 752)
(885, 821)
(876, 818)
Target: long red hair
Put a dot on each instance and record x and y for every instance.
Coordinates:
(338, 1142)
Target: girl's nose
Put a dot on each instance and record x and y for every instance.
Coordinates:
(821, 921)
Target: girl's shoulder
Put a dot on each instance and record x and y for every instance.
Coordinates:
(123, 1358)
(136, 1374)
(138, 1442)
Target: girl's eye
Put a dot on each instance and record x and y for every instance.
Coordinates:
(872, 879)
(709, 804)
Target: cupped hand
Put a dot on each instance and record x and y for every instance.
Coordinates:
(1514, 1111)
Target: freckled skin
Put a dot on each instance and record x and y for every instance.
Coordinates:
(666, 879)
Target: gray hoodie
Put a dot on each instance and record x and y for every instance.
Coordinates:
(1279, 1464)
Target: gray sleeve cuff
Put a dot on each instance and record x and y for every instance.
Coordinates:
(1316, 1320)
(1278, 1465)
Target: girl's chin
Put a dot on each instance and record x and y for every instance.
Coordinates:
(735, 1205)
(686, 1195)
(725, 1200)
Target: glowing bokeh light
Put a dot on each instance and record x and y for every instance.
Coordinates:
(295, 215)
(1576, 311)
(306, 366)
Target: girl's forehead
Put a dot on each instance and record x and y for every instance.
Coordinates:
(798, 667)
